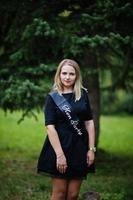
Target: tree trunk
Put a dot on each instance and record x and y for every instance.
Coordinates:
(91, 82)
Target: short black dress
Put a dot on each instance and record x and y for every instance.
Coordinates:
(74, 146)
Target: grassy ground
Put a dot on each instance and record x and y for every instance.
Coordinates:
(20, 146)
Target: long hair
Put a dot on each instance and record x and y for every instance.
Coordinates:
(78, 81)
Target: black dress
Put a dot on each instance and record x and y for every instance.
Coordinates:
(74, 146)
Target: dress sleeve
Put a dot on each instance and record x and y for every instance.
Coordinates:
(50, 111)
(89, 115)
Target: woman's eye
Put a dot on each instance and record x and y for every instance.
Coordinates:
(64, 73)
(72, 74)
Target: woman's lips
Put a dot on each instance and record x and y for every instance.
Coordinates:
(68, 81)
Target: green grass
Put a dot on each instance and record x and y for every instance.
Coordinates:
(20, 146)
(116, 135)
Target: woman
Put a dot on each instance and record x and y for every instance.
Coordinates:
(69, 149)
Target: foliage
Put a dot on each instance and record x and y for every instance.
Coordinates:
(126, 104)
(116, 102)
(36, 35)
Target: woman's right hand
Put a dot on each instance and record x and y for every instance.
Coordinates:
(61, 163)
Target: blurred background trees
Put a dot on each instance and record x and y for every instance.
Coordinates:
(36, 35)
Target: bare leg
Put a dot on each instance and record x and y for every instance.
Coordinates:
(59, 189)
(73, 189)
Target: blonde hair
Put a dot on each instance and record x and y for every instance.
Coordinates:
(78, 82)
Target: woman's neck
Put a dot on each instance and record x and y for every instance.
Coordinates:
(67, 90)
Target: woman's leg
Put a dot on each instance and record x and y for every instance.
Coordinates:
(59, 189)
(73, 189)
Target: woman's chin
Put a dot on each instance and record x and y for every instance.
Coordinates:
(67, 85)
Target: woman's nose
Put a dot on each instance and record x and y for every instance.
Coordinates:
(67, 76)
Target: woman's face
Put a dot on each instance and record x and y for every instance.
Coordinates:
(68, 76)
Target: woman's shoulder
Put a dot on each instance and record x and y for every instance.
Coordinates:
(84, 91)
(49, 99)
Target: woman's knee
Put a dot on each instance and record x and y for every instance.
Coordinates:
(72, 195)
(73, 189)
(59, 189)
(58, 195)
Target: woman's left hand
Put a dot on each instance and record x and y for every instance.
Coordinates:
(90, 157)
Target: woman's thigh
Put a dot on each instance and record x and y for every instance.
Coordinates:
(73, 188)
(59, 184)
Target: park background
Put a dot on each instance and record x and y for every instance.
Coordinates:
(34, 37)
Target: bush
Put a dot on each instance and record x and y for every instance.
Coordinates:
(116, 102)
(126, 105)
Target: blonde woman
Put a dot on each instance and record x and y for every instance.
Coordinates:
(68, 153)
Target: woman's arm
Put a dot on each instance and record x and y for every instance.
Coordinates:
(54, 139)
(91, 132)
(61, 162)
(91, 137)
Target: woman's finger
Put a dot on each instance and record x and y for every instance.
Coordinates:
(62, 168)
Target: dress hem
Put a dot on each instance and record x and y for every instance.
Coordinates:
(59, 176)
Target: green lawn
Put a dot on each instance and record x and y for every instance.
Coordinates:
(20, 146)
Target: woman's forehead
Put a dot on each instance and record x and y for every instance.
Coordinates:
(67, 67)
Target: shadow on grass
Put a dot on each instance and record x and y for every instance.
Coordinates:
(113, 179)
(112, 163)
(115, 173)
